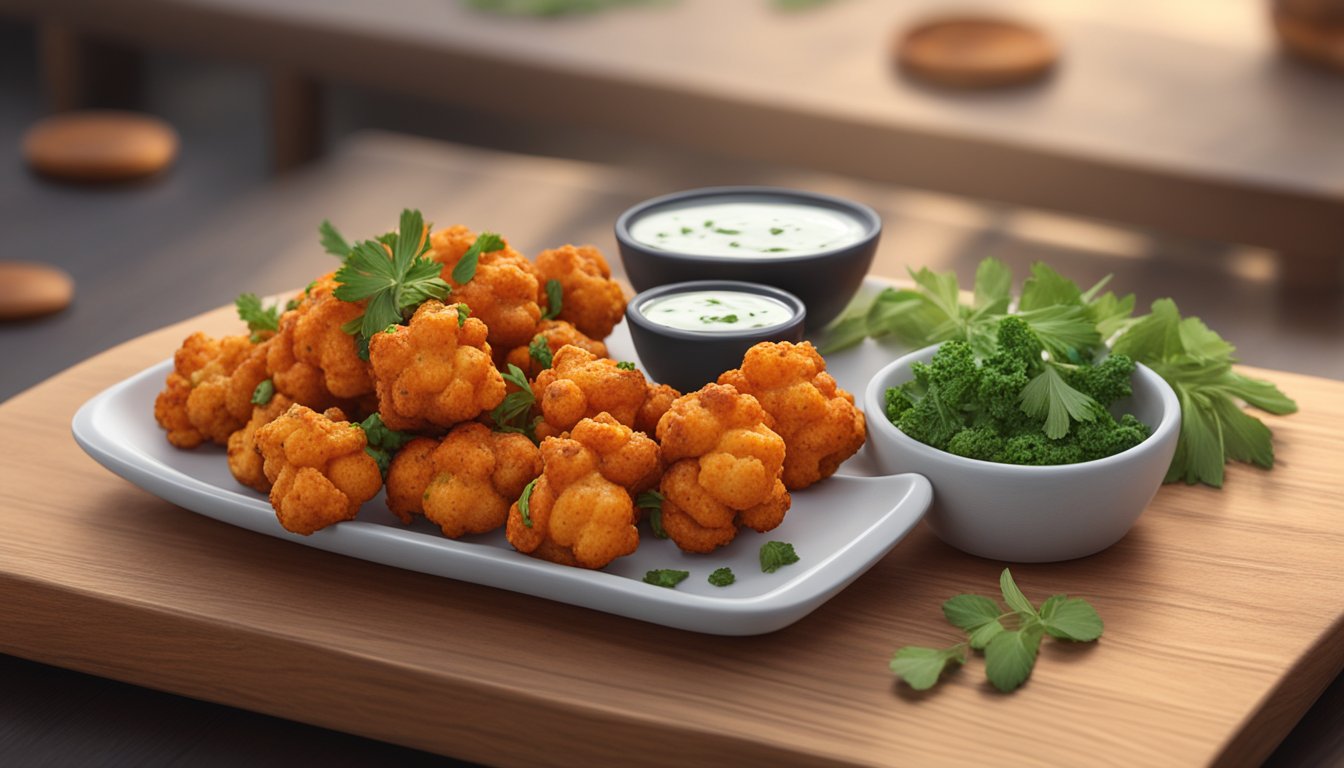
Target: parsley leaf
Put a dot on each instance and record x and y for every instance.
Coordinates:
(383, 443)
(394, 277)
(626, 365)
(1013, 596)
(921, 667)
(263, 393)
(1070, 618)
(1049, 397)
(540, 351)
(666, 577)
(722, 577)
(331, 240)
(463, 312)
(260, 321)
(775, 555)
(486, 242)
(511, 415)
(525, 502)
(555, 296)
(653, 502)
(1010, 656)
(978, 615)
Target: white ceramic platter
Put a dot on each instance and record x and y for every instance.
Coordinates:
(839, 527)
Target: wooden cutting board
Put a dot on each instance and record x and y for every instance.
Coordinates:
(1224, 620)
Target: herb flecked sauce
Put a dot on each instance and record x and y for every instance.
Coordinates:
(716, 311)
(748, 229)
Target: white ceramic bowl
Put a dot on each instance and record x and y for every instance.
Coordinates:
(1029, 514)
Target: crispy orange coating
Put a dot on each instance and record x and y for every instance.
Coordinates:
(818, 420)
(580, 385)
(593, 302)
(725, 468)
(245, 461)
(200, 400)
(465, 483)
(557, 333)
(319, 471)
(311, 359)
(434, 372)
(503, 293)
(581, 509)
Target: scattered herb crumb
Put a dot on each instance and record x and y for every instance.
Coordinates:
(777, 554)
(722, 577)
(263, 393)
(666, 577)
(626, 365)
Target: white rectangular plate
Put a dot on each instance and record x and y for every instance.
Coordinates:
(839, 527)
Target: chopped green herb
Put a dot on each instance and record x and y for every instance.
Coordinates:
(626, 365)
(776, 249)
(540, 351)
(555, 295)
(775, 555)
(707, 319)
(686, 230)
(666, 577)
(463, 312)
(525, 501)
(709, 224)
(776, 231)
(723, 231)
(512, 414)
(652, 501)
(331, 240)
(383, 443)
(722, 577)
(662, 234)
(260, 321)
(734, 244)
(263, 392)
(486, 242)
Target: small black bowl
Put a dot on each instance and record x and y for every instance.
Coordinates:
(825, 281)
(688, 360)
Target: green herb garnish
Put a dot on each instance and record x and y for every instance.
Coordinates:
(394, 284)
(260, 321)
(463, 312)
(723, 231)
(776, 231)
(524, 503)
(331, 240)
(1010, 650)
(486, 242)
(555, 296)
(540, 351)
(652, 501)
(707, 319)
(722, 577)
(775, 555)
(263, 393)
(626, 365)
(383, 443)
(666, 577)
(511, 415)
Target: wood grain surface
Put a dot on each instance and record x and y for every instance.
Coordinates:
(1223, 611)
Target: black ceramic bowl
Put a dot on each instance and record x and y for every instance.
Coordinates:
(824, 280)
(688, 360)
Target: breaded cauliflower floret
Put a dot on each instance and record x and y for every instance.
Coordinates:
(557, 333)
(592, 301)
(311, 359)
(580, 385)
(503, 293)
(817, 419)
(200, 399)
(245, 461)
(724, 470)
(319, 471)
(435, 371)
(581, 510)
(465, 483)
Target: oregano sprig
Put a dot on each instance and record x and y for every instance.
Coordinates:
(1010, 639)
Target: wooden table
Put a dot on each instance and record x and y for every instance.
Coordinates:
(1175, 116)
(1223, 608)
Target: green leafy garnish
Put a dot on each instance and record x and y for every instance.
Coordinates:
(394, 284)
(555, 298)
(511, 415)
(665, 577)
(263, 392)
(652, 501)
(626, 365)
(331, 240)
(1010, 651)
(540, 351)
(463, 312)
(775, 555)
(383, 443)
(524, 503)
(707, 319)
(260, 321)
(486, 242)
(722, 577)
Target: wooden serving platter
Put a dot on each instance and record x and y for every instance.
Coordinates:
(1223, 609)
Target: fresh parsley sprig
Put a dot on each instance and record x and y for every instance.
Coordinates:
(525, 503)
(383, 443)
(775, 555)
(261, 321)
(513, 413)
(1010, 639)
(540, 350)
(652, 502)
(486, 242)
(331, 239)
(555, 296)
(666, 577)
(393, 276)
(722, 577)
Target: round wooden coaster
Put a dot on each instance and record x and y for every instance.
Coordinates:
(100, 146)
(31, 290)
(975, 52)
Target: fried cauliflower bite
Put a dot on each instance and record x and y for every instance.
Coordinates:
(465, 483)
(581, 510)
(580, 385)
(318, 469)
(503, 293)
(311, 359)
(592, 301)
(245, 461)
(435, 371)
(200, 399)
(658, 398)
(557, 333)
(818, 420)
(725, 468)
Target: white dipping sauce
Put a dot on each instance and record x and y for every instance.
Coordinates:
(716, 311)
(748, 229)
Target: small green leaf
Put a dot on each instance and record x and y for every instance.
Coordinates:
(1013, 596)
(263, 393)
(920, 667)
(775, 555)
(993, 286)
(555, 296)
(665, 577)
(331, 240)
(652, 502)
(722, 577)
(463, 312)
(540, 351)
(1010, 656)
(971, 611)
(486, 242)
(982, 635)
(626, 365)
(1070, 618)
(1048, 396)
(524, 503)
